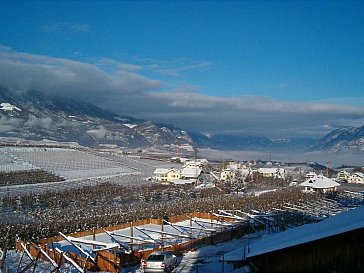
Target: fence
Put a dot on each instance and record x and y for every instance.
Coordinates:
(112, 261)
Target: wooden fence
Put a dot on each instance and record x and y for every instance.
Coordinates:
(111, 261)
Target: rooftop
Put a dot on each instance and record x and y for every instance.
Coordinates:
(338, 224)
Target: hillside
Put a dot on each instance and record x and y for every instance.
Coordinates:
(35, 116)
(350, 139)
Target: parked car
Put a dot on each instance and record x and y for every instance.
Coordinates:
(159, 262)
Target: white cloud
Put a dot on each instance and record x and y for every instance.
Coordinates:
(122, 88)
(35, 122)
(22, 72)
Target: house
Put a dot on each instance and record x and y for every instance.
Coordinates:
(319, 183)
(342, 176)
(196, 163)
(310, 175)
(272, 172)
(356, 178)
(233, 170)
(166, 175)
(190, 172)
(227, 174)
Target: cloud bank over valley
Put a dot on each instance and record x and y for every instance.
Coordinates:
(139, 91)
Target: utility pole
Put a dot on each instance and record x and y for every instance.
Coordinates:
(327, 168)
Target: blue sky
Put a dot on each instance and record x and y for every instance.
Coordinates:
(239, 57)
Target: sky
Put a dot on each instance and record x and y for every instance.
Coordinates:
(275, 69)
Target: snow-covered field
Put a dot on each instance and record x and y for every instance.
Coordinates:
(67, 163)
(79, 168)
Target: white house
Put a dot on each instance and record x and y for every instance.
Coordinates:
(342, 175)
(310, 175)
(227, 174)
(166, 175)
(319, 183)
(356, 178)
(272, 172)
(196, 163)
(190, 172)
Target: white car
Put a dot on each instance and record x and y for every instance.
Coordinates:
(159, 262)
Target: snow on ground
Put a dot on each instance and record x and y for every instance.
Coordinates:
(131, 126)
(148, 241)
(68, 163)
(207, 259)
(13, 258)
(8, 107)
(258, 193)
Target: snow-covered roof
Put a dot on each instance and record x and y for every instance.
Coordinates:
(163, 170)
(338, 224)
(270, 170)
(320, 182)
(191, 172)
(8, 107)
(361, 175)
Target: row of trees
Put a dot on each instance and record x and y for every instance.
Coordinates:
(27, 177)
(109, 204)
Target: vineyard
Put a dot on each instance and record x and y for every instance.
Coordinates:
(68, 191)
(26, 170)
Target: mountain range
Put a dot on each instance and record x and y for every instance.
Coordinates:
(36, 116)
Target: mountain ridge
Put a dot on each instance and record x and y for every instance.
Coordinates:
(35, 116)
(63, 119)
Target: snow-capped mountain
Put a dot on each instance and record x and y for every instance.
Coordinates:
(35, 116)
(343, 139)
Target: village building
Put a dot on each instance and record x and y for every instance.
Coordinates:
(310, 175)
(200, 163)
(190, 172)
(342, 176)
(166, 175)
(356, 178)
(319, 183)
(235, 170)
(227, 174)
(272, 172)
